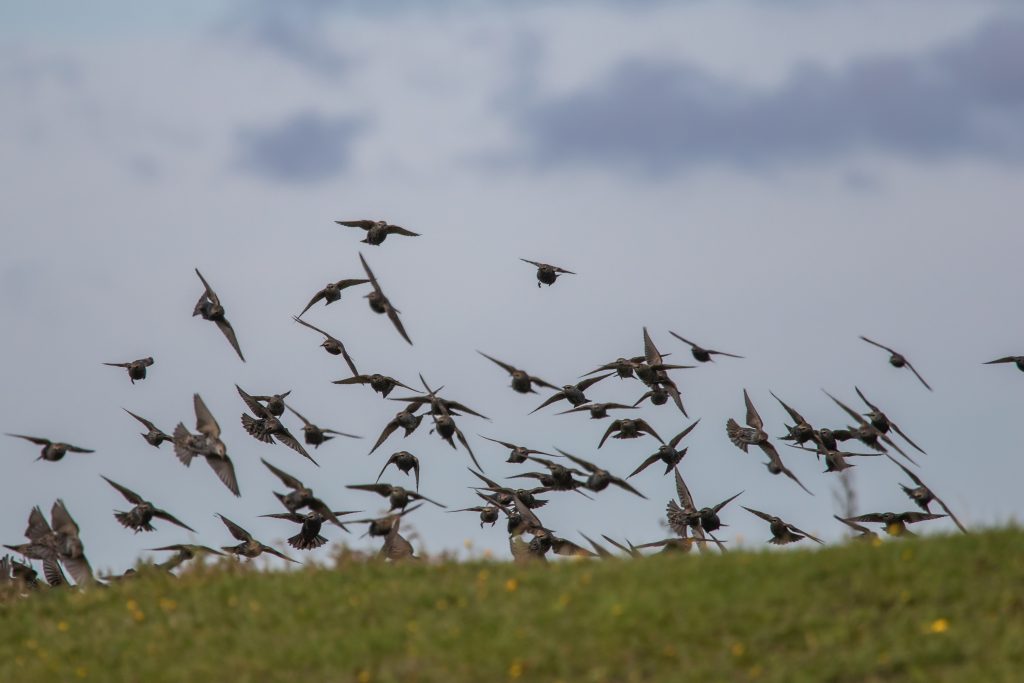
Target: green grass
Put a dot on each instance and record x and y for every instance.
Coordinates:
(939, 609)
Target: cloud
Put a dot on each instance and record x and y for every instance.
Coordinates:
(295, 30)
(306, 147)
(964, 99)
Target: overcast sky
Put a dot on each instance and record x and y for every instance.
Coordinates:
(772, 179)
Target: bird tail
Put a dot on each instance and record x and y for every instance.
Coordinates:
(300, 542)
(181, 449)
(255, 428)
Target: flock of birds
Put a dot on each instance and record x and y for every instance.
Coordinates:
(57, 544)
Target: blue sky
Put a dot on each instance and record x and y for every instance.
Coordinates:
(773, 179)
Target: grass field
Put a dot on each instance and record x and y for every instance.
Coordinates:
(938, 609)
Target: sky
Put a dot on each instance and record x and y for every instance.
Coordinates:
(772, 179)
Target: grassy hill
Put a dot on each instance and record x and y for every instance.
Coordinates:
(938, 609)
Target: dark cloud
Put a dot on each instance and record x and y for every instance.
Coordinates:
(965, 99)
(306, 147)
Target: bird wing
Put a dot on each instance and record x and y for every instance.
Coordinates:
(753, 419)
(118, 365)
(589, 466)
(683, 492)
(616, 424)
(685, 341)
(1005, 359)
(145, 423)
(797, 417)
(651, 352)
(622, 484)
(398, 230)
(871, 517)
(587, 383)
(379, 489)
(533, 263)
(725, 502)
(210, 294)
(129, 495)
(949, 512)
(645, 464)
(881, 346)
(393, 317)
(286, 479)
(350, 282)
(277, 553)
(316, 297)
(167, 516)
(364, 224)
(289, 440)
(225, 471)
(547, 385)
(34, 439)
(238, 532)
(370, 275)
(849, 411)
(205, 424)
(853, 525)
(763, 515)
(804, 533)
(504, 366)
(681, 435)
(77, 449)
(918, 375)
(642, 426)
(61, 519)
(554, 398)
(37, 525)
(723, 353)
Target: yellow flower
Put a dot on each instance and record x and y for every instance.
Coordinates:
(138, 615)
(482, 575)
(939, 626)
(876, 542)
(168, 605)
(363, 676)
(63, 626)
(511, 585)
(737, 649)
(441, 605)
(515, 670)
(132, 606)
(81, 672)
(564, 599)
(617, 610)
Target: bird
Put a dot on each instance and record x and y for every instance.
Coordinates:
(923, 496)
(438, 404)
(265, 426)
(377, 231)
(445, 427)
(406, 419)
(598, 411)
(183, 553)
(488, 513)
(136, 368)
(655, 373)
(52, 450)
(274, 402)
(783, 532)
(863, 533)
(139, 517)
(866, 432)
(547, 274)
(210, 308)
(625, 368)
(405, 461)
(685, 514)
(382, 384)
(506, 496)
(249, 546)
(667, 453)
(898, 360)
(700, 353)
(881, 421)
(754, 435)
(517, 454)
(331, 292)
(331, 344)
(316, 436)
(557, 478)
(628, 429)
(380, 526)
(522, 381)
(153, 436)
(381, 304)
(801, 431)
(397, 496)
(573, 393)
(309, 536)
(57, 543)
(895, 523)
(1017, 360)
(600, 478)
(396, 547)
(206, 443)
(301, 496)
(835, 460)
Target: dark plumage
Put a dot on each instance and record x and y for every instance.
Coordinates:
(783, 532)
(266, 427)
(599, 478)
(406, 462)
(898, 360)
(377, 231)
(547, 274)
(153, 436)
(701, 354)
(754, 435)
(210, 308)
(136, 368)
(139, 517)
(667, 453)
(206, 443)
(573, 393)
(331, 344)
(895, 523)
(381, 304)
(301, 496)
(1017, 360)
(52, 450)
(598, 411)
(923, 496)
(628, 429)
(249, 546)
(332, 292)
(522, 381)
(316, 436)
(397, 496)
(517, 454)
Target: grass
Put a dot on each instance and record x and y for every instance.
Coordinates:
(937, 609)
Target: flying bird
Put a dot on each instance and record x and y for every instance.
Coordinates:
(332, 292)
(801, 431)
(331, 344)
(522, 381)
(136, 368)
(309, 536)
(895, 523)
(783, 532)
(153, 436)
(547, 274)
(316, 436)
(667, 453)
(381, 304)
(923, 496)
(866, 432)
(700, 353)
(517, 454)
(139, 517)
(573, 393)
(210, 308)
(265, 426)
(406, 419)
(881, 421)
(301, 496)
(377, 231)
(1017, 360)
(898, 360)
(404, 461)
(206, 443)
(52, 450)
(382, 384)
(397, 496)
(628, 429)
(249, 546)
(598, 411)
(600, 478)
(754, 435)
